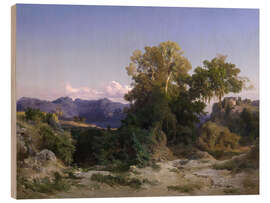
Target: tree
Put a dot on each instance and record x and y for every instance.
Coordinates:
(165, 95)
(158, 66)
(216, 78)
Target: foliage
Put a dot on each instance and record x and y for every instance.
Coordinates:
(119, 149)
(244, 122)
(214, 138)
(216, 78)
(34, 114)
(155, 167)
(61, 144)
(231, 191)
(250, 124)
(248, 161)
(166, 96)
(45, 185)
(117, 180)
(37, 116)
(187, 188)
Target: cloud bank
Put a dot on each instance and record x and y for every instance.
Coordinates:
(113, 91)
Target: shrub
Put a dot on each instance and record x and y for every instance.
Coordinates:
(61, 144)
(33, 114)
(187, 188)
(231, 191)
(116, 149)
(214, 138)
(45, 185)
(155, 166)
(236, 165)
(117, 180)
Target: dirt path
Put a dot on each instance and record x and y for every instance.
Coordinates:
(172, 178)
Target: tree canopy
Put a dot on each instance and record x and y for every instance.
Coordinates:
(164, 93)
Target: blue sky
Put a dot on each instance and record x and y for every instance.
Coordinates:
(82, 51)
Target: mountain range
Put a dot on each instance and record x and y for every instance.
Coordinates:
(102, 112)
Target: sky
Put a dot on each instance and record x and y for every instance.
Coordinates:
(82, 51)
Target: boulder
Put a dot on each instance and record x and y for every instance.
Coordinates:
(46, 155)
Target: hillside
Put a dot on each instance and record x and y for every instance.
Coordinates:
(101, 112)
(67, 159)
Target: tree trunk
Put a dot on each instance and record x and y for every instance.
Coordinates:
(167, 82)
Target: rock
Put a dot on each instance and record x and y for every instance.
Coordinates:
(22, 151)
(20, 130)
(197, 154)
(183, 162)
(46, 155)
(132, 168)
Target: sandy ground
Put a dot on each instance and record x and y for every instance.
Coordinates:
(196, 175)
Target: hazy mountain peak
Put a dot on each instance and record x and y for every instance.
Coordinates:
(63, 99)
(102, 112)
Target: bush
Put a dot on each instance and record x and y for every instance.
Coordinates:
(34, 114)
(248, 161)
(214, 138)
(187, 188)
(117, 149)
(61, 144)
(117, 180)
(46, 185)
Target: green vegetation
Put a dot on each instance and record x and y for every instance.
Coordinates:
(215, 138)
(174, 170)
(231, 191)
(167, 97)
(155, 166)
(241, 118)
(60, 144)
(166, 105)
(118, 149)
(248, 161)
(165, 101)
(37, 116)
(187, 188)
(117, 180)
(46, 133)
(45, 185)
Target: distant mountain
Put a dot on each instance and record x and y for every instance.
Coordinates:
(102, 112)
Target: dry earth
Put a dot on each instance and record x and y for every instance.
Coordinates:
(172, 178)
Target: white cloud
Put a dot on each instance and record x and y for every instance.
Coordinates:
(113, 91)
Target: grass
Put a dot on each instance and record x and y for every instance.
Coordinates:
(174, 170)
(95, 186)
(187, 188)
(136, 172)
(236, 165)
(251, 186)
(155, 167)
(228, 165)
(204, 161)
(231, 191)
(147, 181)
(45, 185)
(117, 180)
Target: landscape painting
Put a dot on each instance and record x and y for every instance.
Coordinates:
(126, 101)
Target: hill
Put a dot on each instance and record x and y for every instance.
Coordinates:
(102, 112)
